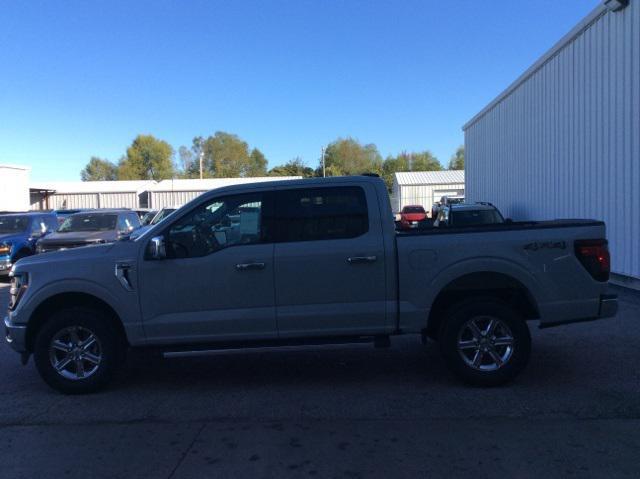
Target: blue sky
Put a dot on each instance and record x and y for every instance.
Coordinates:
(84, 78)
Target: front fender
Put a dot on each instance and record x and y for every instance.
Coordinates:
(125, 306)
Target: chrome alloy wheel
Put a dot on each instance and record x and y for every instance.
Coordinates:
(75, 353)
(485, 343)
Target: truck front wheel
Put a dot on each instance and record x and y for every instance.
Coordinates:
(485, 342)
(76, 351)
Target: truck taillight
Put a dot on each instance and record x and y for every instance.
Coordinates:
(594, 256)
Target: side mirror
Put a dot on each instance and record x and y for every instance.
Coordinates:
(156, 248)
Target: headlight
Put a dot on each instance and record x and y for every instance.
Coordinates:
(19, 283)
(5, 248)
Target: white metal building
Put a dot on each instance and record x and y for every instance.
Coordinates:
(128, 194)
(425, 187)
(14, 188)
(564, 139)
(87, 194)
(179, 192)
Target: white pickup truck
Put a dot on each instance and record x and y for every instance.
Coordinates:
(314, 261)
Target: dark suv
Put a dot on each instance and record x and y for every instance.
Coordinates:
(90, 228)
(19, 233)
(460, 215)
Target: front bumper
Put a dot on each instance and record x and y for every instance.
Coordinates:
(15, 335)
(608, 308)
(5, 266)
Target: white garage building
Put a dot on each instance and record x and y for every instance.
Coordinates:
(127, 194)
(14, 188)
(564, 139)
(179, 192)
(87, 194)
(425, 187)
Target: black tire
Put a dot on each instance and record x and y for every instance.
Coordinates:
(456, 327)
(80, 320)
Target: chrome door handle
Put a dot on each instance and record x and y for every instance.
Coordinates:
(249, 266)
(361, 259)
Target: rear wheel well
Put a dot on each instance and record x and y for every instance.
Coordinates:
(482, 284)
(67, 300)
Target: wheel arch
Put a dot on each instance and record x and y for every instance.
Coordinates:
(487, 284)
(60, 301)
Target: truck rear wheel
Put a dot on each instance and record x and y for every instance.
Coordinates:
(76, 351)
(485, 342)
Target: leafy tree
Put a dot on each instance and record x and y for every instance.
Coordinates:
(148, 158)
(457, 160)
(99, 169)
(421, 161)
(226, 156)
(295, 167)
(257, 165)
(190, 159)
(346, 156)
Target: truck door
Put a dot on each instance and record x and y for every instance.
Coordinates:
(217, 280)
(329, 261)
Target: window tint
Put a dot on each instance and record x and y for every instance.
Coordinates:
(476, 217)
(37, 226)
(321, 214)
(89, 222)
(52, 224)
(413, 209)
(223, 222)
(126, 224)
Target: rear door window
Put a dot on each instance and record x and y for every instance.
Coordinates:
(312, 214)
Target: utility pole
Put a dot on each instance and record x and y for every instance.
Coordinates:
(201, 162)
(324, 170)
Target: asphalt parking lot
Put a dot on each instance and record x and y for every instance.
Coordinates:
(348, 412)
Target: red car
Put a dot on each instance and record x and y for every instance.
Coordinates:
(411, 216)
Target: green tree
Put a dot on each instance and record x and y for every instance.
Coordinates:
(346, 156)
(257, 165)
(99, 169)
(148, 158)
(457, 160)
(420, 161)
(190, 159)
(226, 156)
(295, 167)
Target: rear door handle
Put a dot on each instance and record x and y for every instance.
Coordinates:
(361, 259)
(249, 266)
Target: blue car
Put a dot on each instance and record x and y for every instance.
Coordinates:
(19, 233)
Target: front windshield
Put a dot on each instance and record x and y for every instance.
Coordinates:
(89, 222)
(162, 215)
(13, 224)
(413, 209)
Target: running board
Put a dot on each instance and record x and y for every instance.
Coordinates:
(378, 342)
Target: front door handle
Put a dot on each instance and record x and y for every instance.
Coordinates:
(249, 266)
(361, 259)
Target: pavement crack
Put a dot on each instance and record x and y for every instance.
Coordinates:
(184, 454)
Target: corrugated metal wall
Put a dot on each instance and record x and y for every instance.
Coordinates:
(92, 200)
(566, 142)
(161, 199)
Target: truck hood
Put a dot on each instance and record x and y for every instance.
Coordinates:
(12, 238)
(74, 237)
(89, 253)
